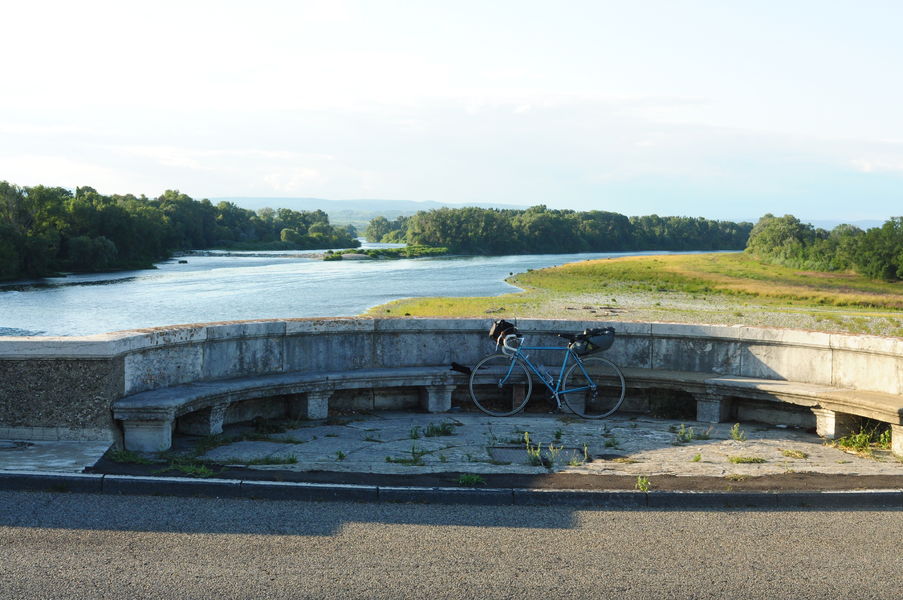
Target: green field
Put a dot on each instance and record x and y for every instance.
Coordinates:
(722, 288)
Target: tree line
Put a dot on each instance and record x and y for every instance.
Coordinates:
(44, 230)
(876, 253)
(539, 229)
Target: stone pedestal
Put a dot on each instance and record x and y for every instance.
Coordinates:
(896, 439)
(147, 436)
(437, 398)
(203, 422)
(712, 408)
(832, 425)
(314, 407)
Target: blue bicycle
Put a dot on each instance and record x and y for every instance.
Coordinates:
(591, 387)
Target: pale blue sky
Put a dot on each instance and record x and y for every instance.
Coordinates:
(721, 109)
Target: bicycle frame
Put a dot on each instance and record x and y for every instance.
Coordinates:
(546, 378)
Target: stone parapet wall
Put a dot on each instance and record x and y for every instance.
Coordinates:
(70, 383)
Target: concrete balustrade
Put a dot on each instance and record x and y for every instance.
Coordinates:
(141, 385)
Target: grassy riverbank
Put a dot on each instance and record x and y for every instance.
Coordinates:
(723, 288)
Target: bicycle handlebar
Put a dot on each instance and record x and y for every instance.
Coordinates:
(509, 349)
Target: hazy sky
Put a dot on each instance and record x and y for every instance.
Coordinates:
(724, 109)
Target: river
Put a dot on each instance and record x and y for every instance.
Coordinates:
(258, 286)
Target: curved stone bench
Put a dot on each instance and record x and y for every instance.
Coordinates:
(831, 406)
(137, 385)
(149, 418)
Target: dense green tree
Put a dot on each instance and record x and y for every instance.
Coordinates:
(540, 229)
(880, 251)
(876, 253)
(376, 229)
(44, 230)
(781, 239)
(381, 229)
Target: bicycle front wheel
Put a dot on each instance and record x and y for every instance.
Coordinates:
(587, 402)
(500, 385)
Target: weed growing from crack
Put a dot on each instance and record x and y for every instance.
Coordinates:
(553, 454)
(470, 480)
(434, 430)
(577, 461)
(534, 453)
(737, 434)
(415, 460)
(643, 484)
(685, 435)
(867, 439)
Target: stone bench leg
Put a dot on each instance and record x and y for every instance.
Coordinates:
(314, 407)
(203, 422)
(147, 436)
(832, 425)
(712, 408)
(896, 439)
(437, 398)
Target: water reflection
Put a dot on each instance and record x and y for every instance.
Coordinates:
(44, 284)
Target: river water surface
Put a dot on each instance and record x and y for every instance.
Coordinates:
(265, 285)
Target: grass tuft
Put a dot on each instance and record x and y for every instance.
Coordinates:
(128, 456)
(794, 454)
(746, 460)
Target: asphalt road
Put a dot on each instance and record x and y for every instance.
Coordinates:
(93, 546)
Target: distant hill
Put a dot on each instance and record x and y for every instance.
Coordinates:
(356, 212)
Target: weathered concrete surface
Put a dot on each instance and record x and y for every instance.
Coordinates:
(393, 442)
(66, 394)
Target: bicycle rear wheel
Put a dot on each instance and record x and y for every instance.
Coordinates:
(500, 385)
(609, 388)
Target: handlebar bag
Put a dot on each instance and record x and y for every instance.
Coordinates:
(500, 329)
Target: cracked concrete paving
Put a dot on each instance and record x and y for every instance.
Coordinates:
(50, 456)
(398, 443)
